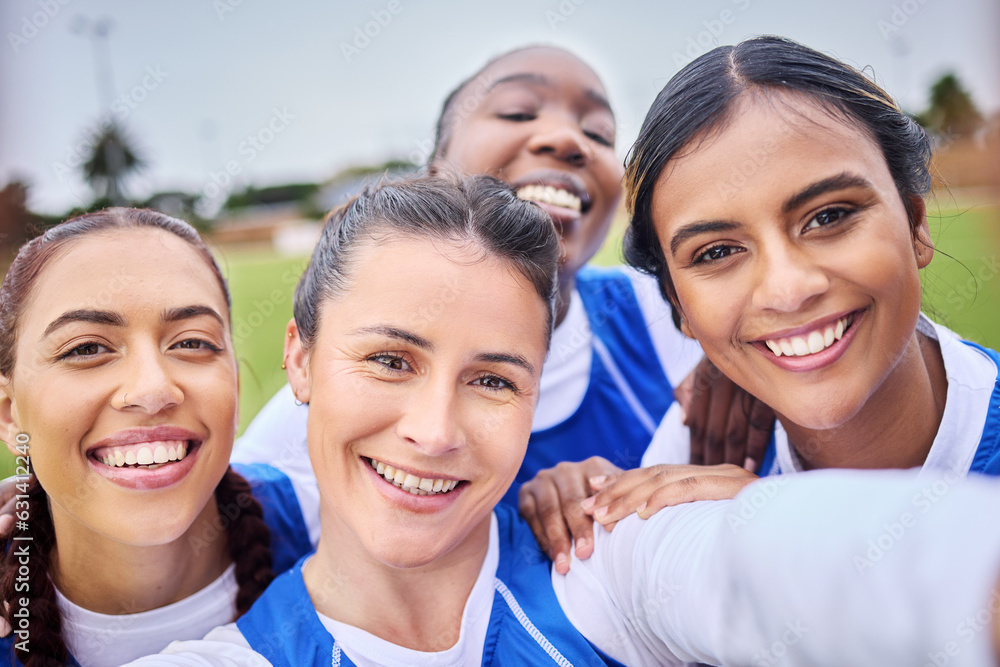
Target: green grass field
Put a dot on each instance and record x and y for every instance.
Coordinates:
(961, 290)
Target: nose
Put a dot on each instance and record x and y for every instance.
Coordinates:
(430, 419)
(150, 386)
(561, 138)
(787, 279)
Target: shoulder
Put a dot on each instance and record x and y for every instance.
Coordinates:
(224, 646)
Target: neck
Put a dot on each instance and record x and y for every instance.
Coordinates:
(563, 296)
(419, 608)
(110, 577)
(897, 424)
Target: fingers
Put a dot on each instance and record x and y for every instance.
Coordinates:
(648, 490)
(697, 413)
(717, 426)
(691, 489)
(538, 502)
(761, 426)
(684, 391)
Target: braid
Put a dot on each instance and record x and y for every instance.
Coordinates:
(44, 620)
(249, 538)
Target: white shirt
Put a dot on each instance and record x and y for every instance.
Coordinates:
(227, 646)
(832, 567)
(106, 640)
(971, 378)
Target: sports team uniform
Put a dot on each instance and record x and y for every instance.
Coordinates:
(105, 640)
(968, 439)
(606, 384)
(724, 582)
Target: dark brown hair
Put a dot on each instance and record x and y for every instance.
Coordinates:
(703, 95)
(248, 535)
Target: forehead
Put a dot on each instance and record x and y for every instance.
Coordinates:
(443, 290)
(543, 64)
(778, 141)
(121, 269)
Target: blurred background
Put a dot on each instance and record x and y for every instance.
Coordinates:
(251, 120)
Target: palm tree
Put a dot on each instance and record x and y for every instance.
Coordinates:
(113, 160)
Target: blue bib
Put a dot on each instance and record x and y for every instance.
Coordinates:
(628, 392)
(527, 626)
(289, 536)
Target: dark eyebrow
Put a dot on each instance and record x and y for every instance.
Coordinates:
(838, 182)
(695, 228)
(501, 358)
(85, 315)
(187, 312)
(537, 79)
(399, 334)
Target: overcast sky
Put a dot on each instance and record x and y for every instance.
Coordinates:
(194, 80)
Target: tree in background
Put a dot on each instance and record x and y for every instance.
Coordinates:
(112, 161)
(951, 111)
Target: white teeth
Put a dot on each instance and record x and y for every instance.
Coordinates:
(547, 194)
(152, 454)
(418, 486)
(815, 341)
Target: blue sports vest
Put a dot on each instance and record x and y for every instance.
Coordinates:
(527, 625)
(289, 537)
(628, 392)
(987, 458)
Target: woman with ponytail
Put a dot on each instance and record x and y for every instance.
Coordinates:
(119, 392)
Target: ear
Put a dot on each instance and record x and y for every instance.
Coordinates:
(8, 416)
(296, 363)
(923, 247)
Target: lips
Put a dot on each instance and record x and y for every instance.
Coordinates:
(811, 342)
(560, 190)
(146, 458)
(414, 484)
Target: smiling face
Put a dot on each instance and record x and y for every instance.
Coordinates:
(137, 313)
(539, 120)
(426, 373)
(793, 259)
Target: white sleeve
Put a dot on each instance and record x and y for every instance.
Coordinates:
(678, 354)
(277, 437)
(830, 568)
(672, 440)
(224, 646)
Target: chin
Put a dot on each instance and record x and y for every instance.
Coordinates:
(821, 416)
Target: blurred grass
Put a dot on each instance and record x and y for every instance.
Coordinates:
(961, 290)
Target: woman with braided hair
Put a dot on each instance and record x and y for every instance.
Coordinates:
(119, 392)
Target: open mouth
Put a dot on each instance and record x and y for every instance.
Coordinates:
(553, 196)
(418, 486)
(145, 455)
(812, 343)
